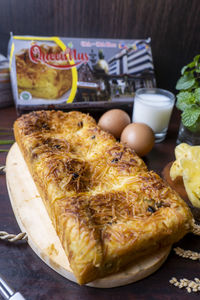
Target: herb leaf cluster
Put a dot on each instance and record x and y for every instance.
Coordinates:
(188, 99)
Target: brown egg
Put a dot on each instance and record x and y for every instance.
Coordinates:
(139, 137)
(114, 121)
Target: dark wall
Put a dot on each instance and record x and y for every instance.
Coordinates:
(172, 25)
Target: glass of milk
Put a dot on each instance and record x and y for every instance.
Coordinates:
(153, 107)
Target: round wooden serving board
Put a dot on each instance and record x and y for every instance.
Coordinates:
(32, 218)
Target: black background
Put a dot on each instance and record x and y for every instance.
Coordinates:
(173, 26)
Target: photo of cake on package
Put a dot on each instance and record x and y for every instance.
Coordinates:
(39, 79)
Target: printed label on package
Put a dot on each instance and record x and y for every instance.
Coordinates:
(62, 72)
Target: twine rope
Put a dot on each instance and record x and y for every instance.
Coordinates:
(10, 237)
(13, 237)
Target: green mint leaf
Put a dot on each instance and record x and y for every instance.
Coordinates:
(196, 60)
(195, 127)
(197, 95)
(185, 82)
(185, 100)
(190, 116)
(188, 68)
(197, 63)
(183, 70)
(195, 86)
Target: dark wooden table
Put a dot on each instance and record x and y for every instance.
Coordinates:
(35, 280)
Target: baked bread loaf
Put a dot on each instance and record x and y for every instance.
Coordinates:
(106, 207)
(39, 79)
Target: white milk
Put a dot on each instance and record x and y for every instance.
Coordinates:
(153, 110)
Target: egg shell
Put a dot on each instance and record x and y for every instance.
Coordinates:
(139, 137)
(114, 121)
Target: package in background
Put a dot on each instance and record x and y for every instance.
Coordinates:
(78, 73)
(5, 87)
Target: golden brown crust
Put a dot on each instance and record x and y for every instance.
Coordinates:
(107, 208)
(39, 79)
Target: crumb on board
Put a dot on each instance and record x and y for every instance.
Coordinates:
(52, 250)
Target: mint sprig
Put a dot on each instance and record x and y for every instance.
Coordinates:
(185, 82)
(188, 99)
